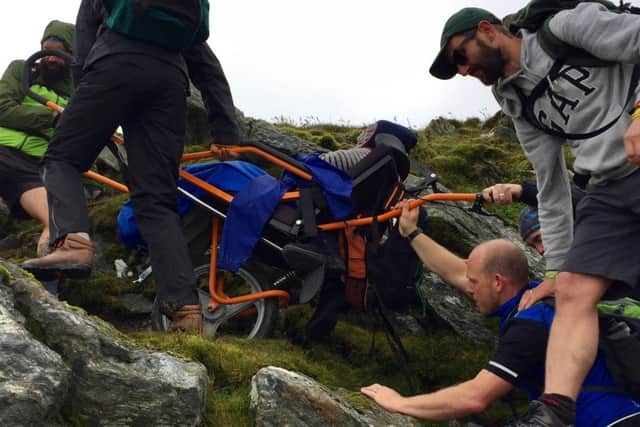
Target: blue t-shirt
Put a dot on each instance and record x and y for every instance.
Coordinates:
(520, 359)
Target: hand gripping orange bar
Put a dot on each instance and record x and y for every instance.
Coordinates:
(464, 197)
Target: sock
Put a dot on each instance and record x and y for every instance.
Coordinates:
(562, 406)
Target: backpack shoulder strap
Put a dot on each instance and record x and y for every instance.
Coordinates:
(568, 54)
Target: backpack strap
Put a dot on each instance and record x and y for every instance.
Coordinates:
(570, 55)
(528, 101)
(305, 205)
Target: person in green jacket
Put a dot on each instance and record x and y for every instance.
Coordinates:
(26, 126)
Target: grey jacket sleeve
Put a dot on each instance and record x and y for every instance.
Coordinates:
(207, 75)
(554, 191)
(88, 22)
(610, 36)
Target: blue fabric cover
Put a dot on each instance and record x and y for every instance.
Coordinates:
(336, 184)
(231, 176)
(248, 213)
(252, 207)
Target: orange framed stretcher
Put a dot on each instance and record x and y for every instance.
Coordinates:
(216, 283)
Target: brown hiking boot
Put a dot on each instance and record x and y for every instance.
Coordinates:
(73, 256)
(187, 318)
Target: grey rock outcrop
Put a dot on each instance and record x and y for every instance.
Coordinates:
(83, 363)
(252, 130)
(440, 126)
(284, 398)
(34, 380)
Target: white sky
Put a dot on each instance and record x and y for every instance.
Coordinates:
(339, 61)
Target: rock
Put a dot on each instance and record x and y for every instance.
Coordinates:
(252, 130)
(112, 382)
(34, 380)
(500, 126)
(284, 398)
(136, 303)
(440, 126)
(407, 325)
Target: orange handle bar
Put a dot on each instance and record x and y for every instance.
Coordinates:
(224, 152)
(104, 180)
(466, 197)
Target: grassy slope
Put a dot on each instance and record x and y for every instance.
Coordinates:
(343, 361)
(465, 161)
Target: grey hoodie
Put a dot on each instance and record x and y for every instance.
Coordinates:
(582, 100)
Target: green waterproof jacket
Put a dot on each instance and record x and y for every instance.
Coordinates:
(26, 124)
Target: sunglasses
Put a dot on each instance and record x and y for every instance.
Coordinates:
(458, 56)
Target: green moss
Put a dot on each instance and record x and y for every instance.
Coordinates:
(328, 142)
(359, 399)
(103, 213)
(342, 361)
(70, 414)
(35, 329)
(100, 294)
(6, 276)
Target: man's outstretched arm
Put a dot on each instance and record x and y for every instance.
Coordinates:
(451, 268)
(463, 399)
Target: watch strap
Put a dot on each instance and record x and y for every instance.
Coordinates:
(415, 233)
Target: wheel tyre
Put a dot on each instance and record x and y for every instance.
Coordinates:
(266, 309)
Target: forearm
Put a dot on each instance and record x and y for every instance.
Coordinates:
(439, 260)
(207, 75)
(452, 402)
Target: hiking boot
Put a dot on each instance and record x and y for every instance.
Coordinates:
(73, 256)
(187, 318)
(538, 415)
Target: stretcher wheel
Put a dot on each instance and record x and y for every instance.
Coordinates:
(250, 319)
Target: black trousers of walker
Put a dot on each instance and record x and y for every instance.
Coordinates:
(145, 96)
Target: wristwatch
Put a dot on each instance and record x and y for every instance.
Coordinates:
(415, 233)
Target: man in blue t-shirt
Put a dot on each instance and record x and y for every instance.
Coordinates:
(496, 276)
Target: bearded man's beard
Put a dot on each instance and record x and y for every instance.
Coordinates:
(489, 68)
(53, 74)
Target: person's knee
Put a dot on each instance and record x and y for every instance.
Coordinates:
(578, 290)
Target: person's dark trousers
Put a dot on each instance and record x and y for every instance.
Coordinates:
(330, 301)
(147, 98)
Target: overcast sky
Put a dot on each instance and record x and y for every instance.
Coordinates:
(338, 61)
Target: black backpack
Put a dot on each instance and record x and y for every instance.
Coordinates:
(535, 17)
(172, 24)
(393, 270)
(619, 342)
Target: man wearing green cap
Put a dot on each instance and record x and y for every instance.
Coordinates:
(584, 106)
(26, 126)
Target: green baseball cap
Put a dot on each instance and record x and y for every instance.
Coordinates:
(464, 20)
